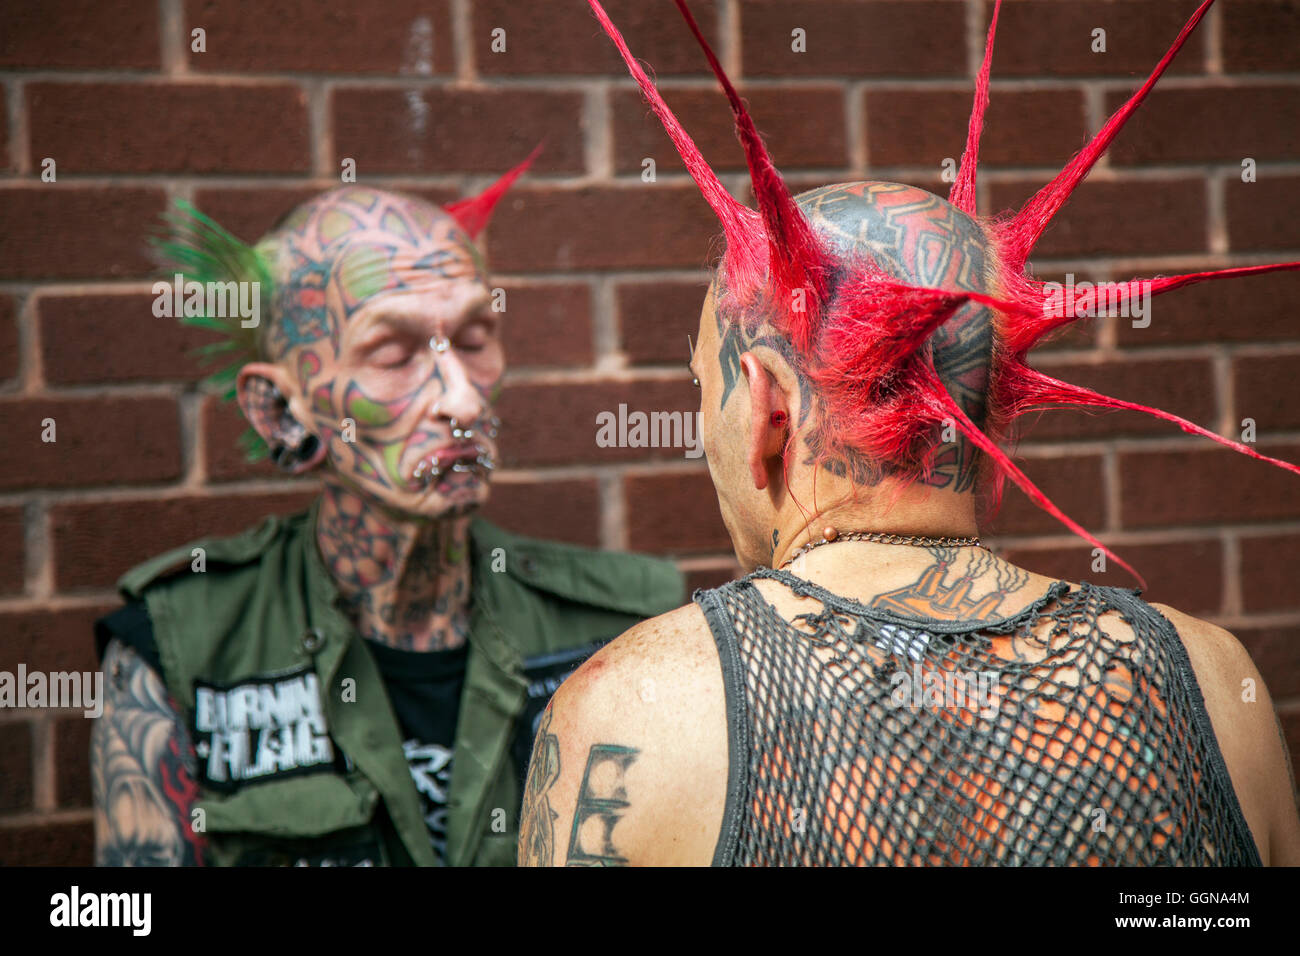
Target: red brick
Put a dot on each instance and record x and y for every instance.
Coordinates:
(1262, 215)
(1049, 38)
(50, 640)
(93, 339)
(72, 762)
(924, 127)
(654, 319)
(100, 441)
(674, 514)
(1233, 123)
(223, 426)
(1276, 652)
(547, 325)
(558, 38)
(82, 34)
(162, 127)
(1268, 572)
(434, 130)
(12, 551)
(553, 510)
(1264, 387)
(9, 341)
(556, 424)
(802, 126)
(310, 36)
(1290, 720)
(1123, 218)
(1206, 485)
(1252, 309)
(854, 38)
(643, 226)
(712, 577)
(1182, 386)
(48, 844)
(250, 213)
(6, 162)
(1073, 482)
(94, 543)
(15, 766)
(1187, 575)
(50, 231)
(1260, 36)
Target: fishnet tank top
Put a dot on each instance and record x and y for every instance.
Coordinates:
(861, 737)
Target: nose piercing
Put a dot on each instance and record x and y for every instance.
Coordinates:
(439, 344)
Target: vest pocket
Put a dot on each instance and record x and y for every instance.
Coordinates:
(308, 806)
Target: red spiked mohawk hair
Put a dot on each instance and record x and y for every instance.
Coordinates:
(874, 328)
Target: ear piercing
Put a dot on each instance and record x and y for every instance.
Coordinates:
(778, 419)
(299, 446)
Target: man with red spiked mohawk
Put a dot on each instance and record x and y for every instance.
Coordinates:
(880, 688)
(359, 684)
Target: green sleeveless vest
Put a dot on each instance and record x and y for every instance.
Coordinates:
(263, 611)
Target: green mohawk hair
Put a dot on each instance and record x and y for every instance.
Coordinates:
(201, 250)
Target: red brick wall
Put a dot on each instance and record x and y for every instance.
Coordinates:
(605, 272)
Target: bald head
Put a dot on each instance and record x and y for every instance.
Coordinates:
(339, 249)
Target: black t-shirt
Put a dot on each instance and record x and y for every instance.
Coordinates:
(424, 689)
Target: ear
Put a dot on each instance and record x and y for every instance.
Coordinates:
(264, 392)
(766, 441)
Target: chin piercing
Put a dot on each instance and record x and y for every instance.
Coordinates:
(426, 473)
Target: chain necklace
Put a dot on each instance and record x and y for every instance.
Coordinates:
(883, 537)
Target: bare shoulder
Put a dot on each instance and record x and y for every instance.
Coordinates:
(1250, 737)
(630, 762)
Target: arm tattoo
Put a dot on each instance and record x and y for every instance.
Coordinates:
(142, 771)
(537, 821)
(602, 799)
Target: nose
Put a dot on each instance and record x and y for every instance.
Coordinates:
(460, 399)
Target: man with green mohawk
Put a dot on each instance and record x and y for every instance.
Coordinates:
(359, 684)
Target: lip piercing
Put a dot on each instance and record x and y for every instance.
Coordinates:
(493, 424)
(439, 344)
(426, 473)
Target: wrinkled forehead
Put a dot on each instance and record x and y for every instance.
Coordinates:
(339, 251)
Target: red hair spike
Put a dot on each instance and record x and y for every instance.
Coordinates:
(962, 194)
(474, 212)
